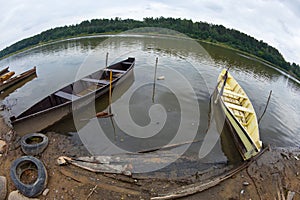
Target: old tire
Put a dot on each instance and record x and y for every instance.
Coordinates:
(34, 143)
(19, 166)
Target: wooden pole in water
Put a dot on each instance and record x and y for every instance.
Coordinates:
(110, 80)
(104, 114)
(106, 60)
(265, 107)
(154, 79)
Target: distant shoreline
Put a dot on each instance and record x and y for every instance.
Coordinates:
(82, 36)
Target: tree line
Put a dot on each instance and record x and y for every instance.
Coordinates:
(197, 30)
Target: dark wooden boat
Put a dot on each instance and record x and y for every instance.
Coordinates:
(71, 97)
(15, 79)
(239, 115)
(20, 84)
(3, 71)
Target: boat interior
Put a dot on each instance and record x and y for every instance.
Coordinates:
(82, 87)
(240, 106)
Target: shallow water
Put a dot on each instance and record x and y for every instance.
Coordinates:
(177, 113)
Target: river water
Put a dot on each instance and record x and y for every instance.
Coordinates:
(178, 110)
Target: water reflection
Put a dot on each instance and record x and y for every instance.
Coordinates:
(60, 61)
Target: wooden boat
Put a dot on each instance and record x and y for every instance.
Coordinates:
(15, 79)
(71, 97)
(3, 71)
(239, 115)
(17, 85)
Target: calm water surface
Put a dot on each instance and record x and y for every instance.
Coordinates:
(180, 107)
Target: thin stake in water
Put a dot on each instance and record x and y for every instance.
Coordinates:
(109, 98)
(154, 80)
(104, 114)
(106, 60)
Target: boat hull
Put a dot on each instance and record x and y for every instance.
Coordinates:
(239, 115)
(3, 71)
(12, 81)
(242, 141)
(37, 121)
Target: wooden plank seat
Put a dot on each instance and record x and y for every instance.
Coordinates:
(228, 88)
(228, 92)
(238, 113)
(104, 82)
(231, 100)
(115, 70)
(127, 63)
(236, 107)
(66, 95)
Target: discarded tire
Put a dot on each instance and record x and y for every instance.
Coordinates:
(21, 173)
(34, 143)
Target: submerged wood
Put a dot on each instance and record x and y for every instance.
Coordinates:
(126, 164)
(167, 146)
(103, 114)
(98, 164)
(199, 187)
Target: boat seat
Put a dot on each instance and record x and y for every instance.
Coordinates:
(231, 100)
(127, 63)
(67, 96)
(234, 94)
(115, 70)
(248, 121)
(104, 82)
(228, 88)
(238, 113)
(236, 107)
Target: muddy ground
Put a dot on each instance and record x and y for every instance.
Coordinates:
(271, 176)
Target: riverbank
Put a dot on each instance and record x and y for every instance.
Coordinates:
(271, 176)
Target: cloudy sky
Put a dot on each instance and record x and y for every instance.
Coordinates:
(276, 22)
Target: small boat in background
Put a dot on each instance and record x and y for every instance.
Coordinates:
(15, 86)
(72, 97)
(239, 115)
(15, 79)
(4, 71)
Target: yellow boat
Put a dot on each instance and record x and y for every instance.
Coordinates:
(239, 115)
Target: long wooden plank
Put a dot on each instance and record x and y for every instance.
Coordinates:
(127, 63)
(236, 107)
(105, 82)
(67, 96)
(235, 94)
(115, 70)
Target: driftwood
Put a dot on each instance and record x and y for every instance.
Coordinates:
(126, 164)
(98, 164)
(90, 194)
(86, 180)
(167, 146)
(199, 187)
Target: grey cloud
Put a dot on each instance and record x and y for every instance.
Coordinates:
(272, 21)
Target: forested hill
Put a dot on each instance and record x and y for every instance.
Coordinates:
(197, 30)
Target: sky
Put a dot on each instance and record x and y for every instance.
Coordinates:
(276, 22)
